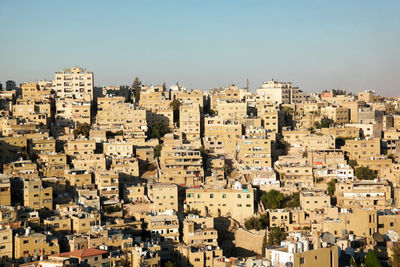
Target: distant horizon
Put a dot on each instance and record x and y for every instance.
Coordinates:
(251, 89)
(316, 45)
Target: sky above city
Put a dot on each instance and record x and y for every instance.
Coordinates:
(316, 45)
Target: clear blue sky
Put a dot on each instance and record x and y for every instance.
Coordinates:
(317, 45)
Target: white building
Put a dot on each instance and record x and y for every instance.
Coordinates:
(280, 92)
(76, 83)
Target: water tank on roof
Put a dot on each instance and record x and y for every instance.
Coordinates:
(238, 185)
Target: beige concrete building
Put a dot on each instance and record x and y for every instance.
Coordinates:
(163, 224)
(316, 257)
(194, 97)
(232, 110)
(164, 197)
(358, 149)
(363, 194)
(358, 222)
(197, 256)
(82, 222)
(254, 153)
(339, 115)
(220, 135)
(280, 92)
(34, 91)
(11, 148)
(78, 178)
(118, 148)
(36, 196)
(199, 231)
(107, 183)
(114, 114)
(236, 203)
(5, 190)
(80, 147)
(6, 243)
(34, 244)
(181, 164)
(91, 256)
(347, 132)
(74, 83)
(190, 121)
(314, 200)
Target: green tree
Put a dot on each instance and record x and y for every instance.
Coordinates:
(227, 170)
(293, 200)
(136, 87)
(353, 262)
(275, 236)
(158, 129)
(371, 260)
(264, 244)
(331, 187)
(253, 223)
(157, 151)
(352, 163)
(395, 259)
(82, 129)
(170, 264)
(339, 142)
(365, 173)
(326, 123)
(285, 146)
(273, 199)
(175, 105)
(212, 113)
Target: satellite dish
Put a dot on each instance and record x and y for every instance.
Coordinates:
(378, 237)
(393, 236)
(328, 238)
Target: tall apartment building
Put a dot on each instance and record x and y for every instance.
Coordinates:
(254, 153)
(220, 135)
(180, 163)
(281, 92)
(36, 196)
(190, 121)
(76, 83)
